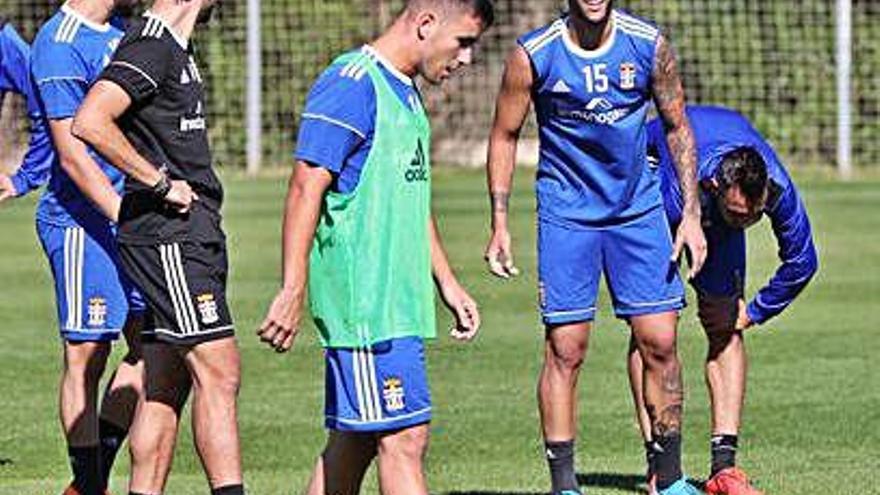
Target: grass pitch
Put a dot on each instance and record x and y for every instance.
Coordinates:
(812, 420)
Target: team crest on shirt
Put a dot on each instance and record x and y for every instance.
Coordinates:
(97, 312)
(392, 392)
(627, 75)
(208, 308)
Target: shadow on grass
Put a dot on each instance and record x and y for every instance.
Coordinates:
(6, 461)
(627, 483)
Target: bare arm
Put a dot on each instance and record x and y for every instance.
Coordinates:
(511, 109)
(82, 169)
(302, 209)
(669, 99)
(463, 307)
(95, 123)
(305, 193)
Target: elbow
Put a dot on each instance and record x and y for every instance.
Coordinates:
(85, 127)
(504, 135)
(812, 264)
(69, 164)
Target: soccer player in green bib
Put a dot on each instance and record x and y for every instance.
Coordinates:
(358, 229)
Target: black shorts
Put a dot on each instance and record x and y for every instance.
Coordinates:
(184, 284)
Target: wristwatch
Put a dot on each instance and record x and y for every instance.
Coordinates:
(161, 188)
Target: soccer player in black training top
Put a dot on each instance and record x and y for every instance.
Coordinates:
(146, 115)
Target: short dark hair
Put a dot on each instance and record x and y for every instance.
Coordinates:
(745, 168)
(481, 8)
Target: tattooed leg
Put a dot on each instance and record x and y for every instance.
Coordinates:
(663, 391)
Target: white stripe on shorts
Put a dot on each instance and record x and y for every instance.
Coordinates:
(358, 384)
(177, 289)
(73, 266)
(187, 298)
(68, 294)
(374, 388)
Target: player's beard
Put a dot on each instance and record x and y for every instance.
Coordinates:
(205, 15)
(126, 10)
(582, 14)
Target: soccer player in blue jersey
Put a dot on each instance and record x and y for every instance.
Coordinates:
(76, 224)
(591, 76)
(15, 78)
(741, 179)
(362, 184)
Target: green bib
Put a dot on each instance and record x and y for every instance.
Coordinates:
(370, 266)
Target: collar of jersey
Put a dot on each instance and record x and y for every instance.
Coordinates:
(180, 41)
(602, 50)
(369, 50)
(101, 28)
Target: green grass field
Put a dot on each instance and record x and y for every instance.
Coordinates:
(812, 422)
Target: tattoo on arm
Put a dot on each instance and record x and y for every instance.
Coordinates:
(670, 101)
(500, 202)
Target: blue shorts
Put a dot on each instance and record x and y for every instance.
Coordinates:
(634, 257)
(93, 295)
(379, 388)
(724, 272)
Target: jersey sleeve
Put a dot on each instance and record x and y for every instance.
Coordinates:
(139, 65)
(14, 55)
(797, 254)
(339, 116)
(37, 164)
(61, 78)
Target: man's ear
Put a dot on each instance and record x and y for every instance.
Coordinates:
(710, 185)
(426, 22)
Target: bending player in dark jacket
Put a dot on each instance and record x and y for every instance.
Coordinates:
(741, 179)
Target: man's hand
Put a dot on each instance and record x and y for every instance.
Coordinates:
(499, 255)
(690, 234)
(723, 314)
(463, 307)
(7, 188)
(743, 321)
(181, 196)
(281, 324)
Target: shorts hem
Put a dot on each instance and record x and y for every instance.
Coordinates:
(382, 425)
(168, 337)
(562, 317)
(650, 309)
(91, 336)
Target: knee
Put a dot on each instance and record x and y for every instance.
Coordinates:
(660, 351)
(720, 341)
(410, 444)
(566, 355)
(220, 383)
(85, 364)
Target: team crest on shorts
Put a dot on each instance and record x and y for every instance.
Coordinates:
(392, 392)
(627, 75)
(97, 312)
(208, 308)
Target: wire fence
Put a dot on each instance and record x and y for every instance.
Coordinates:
(774, 60)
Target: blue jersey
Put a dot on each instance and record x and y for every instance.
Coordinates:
(717, 132)
(591, 108)
(337, 125)
(67, 56)
(15, 78)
